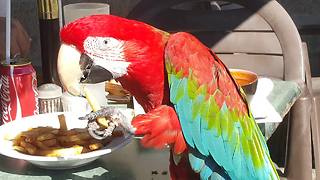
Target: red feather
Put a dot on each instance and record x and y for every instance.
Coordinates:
(187, 53)
(106, 26)
(144, 49)
(146, 78)
(160, 128)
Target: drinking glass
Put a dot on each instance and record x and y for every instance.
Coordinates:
(79, 10)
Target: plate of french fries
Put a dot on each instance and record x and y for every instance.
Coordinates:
(56, 141)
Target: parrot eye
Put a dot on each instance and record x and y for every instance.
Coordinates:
(105, 41)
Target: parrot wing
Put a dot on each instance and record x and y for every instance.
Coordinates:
(213, 113)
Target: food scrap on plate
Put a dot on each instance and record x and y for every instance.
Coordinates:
(54, 142)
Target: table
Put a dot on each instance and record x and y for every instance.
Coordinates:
(271, 102)
(131, 162)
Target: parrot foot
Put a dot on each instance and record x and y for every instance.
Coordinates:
(116, 116)
(95, 132)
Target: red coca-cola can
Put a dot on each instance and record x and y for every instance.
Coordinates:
(18, 92)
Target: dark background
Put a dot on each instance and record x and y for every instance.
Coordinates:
(302, 12)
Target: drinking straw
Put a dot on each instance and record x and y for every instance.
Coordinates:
(8, 30)
(60, 14)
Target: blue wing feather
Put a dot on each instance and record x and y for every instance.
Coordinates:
(226, 142)
(193, 124)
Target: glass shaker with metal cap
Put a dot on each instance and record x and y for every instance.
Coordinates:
(49, 98)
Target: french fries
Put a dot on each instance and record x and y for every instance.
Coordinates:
(62, 122)
(60, 152)
(53, 142)
(95, 106)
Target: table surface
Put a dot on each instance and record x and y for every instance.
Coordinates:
(131, 162)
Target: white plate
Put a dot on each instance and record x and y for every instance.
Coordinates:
(13, 128)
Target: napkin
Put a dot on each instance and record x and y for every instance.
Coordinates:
(273, 99)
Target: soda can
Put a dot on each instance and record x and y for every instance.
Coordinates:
(18, 92)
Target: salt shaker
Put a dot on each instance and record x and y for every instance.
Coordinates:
(76, 104)
(49, 98)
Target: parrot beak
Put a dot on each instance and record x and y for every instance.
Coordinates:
(93, 73)
(75, 68)
(69, 70)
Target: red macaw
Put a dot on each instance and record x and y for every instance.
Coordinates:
(191, 101)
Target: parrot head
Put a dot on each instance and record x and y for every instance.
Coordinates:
(103, 47)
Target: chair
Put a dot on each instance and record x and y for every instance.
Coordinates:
(256, 35)
(314, 86)
(315, 122)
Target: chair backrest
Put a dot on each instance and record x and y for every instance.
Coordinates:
(258, 35)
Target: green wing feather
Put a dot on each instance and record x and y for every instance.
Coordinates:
(214, 115)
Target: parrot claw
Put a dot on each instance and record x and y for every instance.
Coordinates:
(93, 129)
(117, 116)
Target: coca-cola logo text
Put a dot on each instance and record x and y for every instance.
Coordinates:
(5, 98)
(35, 91)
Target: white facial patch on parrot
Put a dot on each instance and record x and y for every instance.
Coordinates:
(108, 53)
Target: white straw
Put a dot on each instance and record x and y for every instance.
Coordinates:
(8, 30)
(60, 14)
